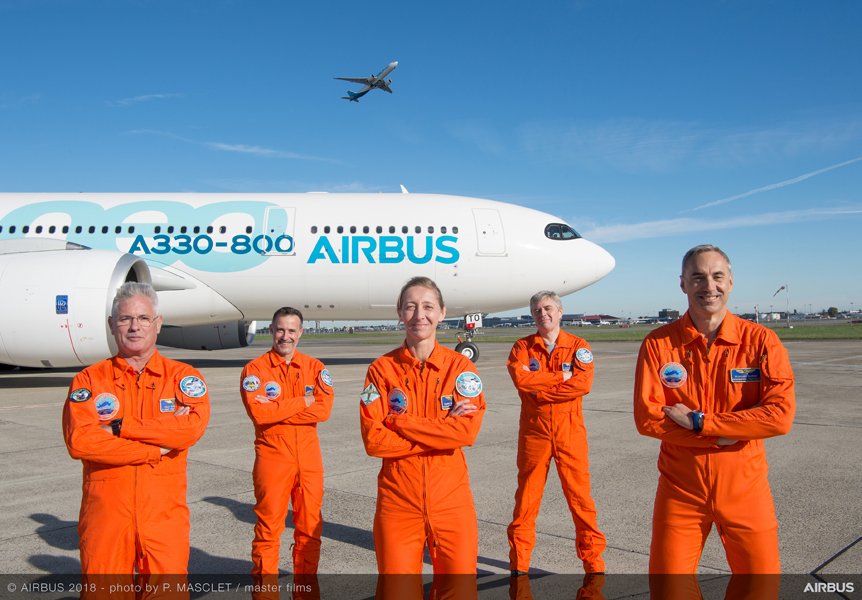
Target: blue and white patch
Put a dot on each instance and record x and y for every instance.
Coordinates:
(446, 402)
(468, 384)
(107, 406)
(397, 402)
(673, 375)
(193, 386)
(744, 375)
(567, 367)
(309, 390)
(584, 356)
(271, 389)
(326, 377)
(251, 383)
(167, 405)
(369, 394)
(534, 364)
(80, 395)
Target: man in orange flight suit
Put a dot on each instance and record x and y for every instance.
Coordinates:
(711, 387)
(553, 371)
(286, 394)
(421, 404)
(131, 419)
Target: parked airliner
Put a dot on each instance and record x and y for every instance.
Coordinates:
(221, 261)
(371, 82)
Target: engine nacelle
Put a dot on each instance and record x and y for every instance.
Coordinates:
(56, 305)
(214, 336)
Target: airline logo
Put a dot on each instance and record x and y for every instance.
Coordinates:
(217, 237)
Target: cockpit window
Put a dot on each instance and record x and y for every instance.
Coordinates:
(561, 231)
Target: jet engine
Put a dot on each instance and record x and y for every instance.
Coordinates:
(56, 303)
(212, 336)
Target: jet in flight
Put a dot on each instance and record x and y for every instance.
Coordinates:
(221, 261)
(371, 82)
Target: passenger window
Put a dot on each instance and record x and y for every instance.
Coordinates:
(209, 228)
(455, 230)
(38, 229)
(365, 229)
(379, 229)
(418, 229)
(11, 229)
(391, 229)
(248, 229)
(170, 228)
(405, 229)
(91, 229)
(184, 229)
(222, 229)
(353, 229)
(118, 229)
(25, 229)
(157, 229)
(430, 229)
(314, 229)
(79, 229)
(197, 229)
(443, 229)
(52, 229)
(340, 229)
(326, 229)
(65, 229)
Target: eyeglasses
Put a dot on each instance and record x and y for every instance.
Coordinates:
(144, 321)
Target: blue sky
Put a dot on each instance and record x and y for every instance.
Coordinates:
(649, 126)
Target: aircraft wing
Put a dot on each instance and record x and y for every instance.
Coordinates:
(384, 86)
(362, 80)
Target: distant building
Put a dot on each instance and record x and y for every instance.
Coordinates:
(666, 314)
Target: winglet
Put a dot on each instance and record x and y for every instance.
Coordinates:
(404, 189)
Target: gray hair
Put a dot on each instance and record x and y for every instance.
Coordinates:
(131, 289)
(700, 250)
(552, 296)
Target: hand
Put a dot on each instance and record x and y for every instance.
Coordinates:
(182, 411)
(566, 376)
(309, 400)
(165, 450)
(525, 368)
(107, 428)
(678, 413)
(723, 441)
(262, 399)
(462, 408)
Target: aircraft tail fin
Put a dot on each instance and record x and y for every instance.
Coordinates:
(353, 97)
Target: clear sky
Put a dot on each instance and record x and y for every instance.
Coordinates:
(649, 126)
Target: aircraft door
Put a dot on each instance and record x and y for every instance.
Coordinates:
(278, 226)
(490, 237)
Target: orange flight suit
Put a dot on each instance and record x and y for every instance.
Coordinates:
(134, 514)
(552, 426)
(288, 466)
(744, 385)
(423, 488)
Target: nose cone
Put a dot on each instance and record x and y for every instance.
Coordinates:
(393, 64)
(593, 263)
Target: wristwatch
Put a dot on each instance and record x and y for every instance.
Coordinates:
(696, 417)
(116, 424)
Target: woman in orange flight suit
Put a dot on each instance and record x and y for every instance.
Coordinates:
(421, 404)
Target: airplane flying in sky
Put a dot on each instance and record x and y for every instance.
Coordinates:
(221, 261)
(371, 82)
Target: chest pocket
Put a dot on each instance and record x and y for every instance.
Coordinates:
(740, 376)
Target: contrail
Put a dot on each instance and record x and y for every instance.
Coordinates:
(775, 186)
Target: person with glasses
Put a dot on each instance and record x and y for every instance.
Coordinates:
(130, 420)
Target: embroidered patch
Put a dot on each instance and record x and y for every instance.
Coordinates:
(251, 383)
(534, 364)
(446, 402)
(744, 375)
(193, 386)
(272, 390)
(673, 375)
(468, 384)
(397, 402)
(309, 390)
(326, 377)
(584, 355)
(567, 367)
(80, 395)
(369, 394)
(167, 405)
(107, 406)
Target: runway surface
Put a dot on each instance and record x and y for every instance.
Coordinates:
(814, 471)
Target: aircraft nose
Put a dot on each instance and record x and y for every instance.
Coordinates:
(596, 262)
(394, 63)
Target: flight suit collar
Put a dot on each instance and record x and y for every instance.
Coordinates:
(276, 360)
(728, 332)
(407, 361)
(154, 367)
(564, 340)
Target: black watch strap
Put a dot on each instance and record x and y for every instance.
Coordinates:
(116, 425)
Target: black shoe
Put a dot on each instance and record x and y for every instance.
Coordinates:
(516, 573)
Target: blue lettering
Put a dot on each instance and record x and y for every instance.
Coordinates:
(322, 250)
(139, 245)
(370, 245)
(411, 254)
(454, 255)
(391, 249)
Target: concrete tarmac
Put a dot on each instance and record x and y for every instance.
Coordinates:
(814, 470)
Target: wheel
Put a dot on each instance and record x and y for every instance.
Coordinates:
(468, 349)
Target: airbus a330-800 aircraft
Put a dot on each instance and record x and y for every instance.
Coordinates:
(221, 261)
(371, 82)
